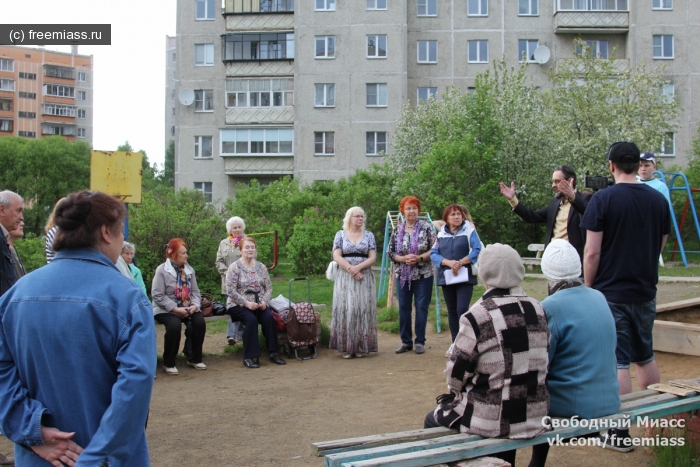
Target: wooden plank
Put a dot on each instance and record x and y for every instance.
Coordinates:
(376, 440)
(679, 305)
(680, 338)
(667, 388)
(685, 383)
(535, 247)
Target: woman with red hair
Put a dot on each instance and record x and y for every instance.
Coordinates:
(409, 248)
(176, 300)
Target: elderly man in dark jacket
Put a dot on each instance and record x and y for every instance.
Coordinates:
(11, 208)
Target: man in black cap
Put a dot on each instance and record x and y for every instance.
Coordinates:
(627, 227)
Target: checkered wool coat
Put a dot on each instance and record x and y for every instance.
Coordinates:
(498, 367)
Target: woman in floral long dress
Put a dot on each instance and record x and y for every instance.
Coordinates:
(354, 320)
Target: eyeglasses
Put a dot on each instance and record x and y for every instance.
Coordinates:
(556, 182)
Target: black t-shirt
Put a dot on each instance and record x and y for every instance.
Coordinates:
(633, 218)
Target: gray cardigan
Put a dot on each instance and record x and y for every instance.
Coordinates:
(163, 288)
(225, 256)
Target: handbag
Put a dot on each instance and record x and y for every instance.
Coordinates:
(207, 308)
(332, 271)
(218, 308)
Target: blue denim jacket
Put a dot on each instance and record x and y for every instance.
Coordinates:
(77, 352)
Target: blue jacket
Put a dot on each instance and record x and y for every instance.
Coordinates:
(77, 352)
(582, 376)
(455, 246)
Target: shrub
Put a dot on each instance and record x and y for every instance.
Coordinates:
(31, 250)
(310, 246)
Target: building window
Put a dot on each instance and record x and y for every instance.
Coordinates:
(599, 49)
(526, 50)
(27, 75)
(325, 5)
(376, 143)
(528, 7)
(172, 94)
(324, 143)
(246, 47)
(261, 6)
(663, 47)
(259, 92)
(82, 95)
(592, 5)
(271, 141)
(5, 105)
(61, 130)
(174, 56)
(25, 95)
(7, 64)
(59, 110)
(205, 9)
(7, 85)
(59, 71)
(27, 134)
(203, 147)
(174, 75)
(376, 4)
(205, 188)
(426, 93)
(427, 7)
(204, 100)
(172, 130)
(668, 91)
(662, 4)
(82, 76)
(81, 113)
(478, 8)
(173, 111)
(427, 51)
(59, 91)
(325, 46)
(471, 89)
(377, 95)
(204, 54)
(376, 46)
(324, 95)
(27, 114)
(668, 145)
(478, 51)
(5, 125)
(81, 132)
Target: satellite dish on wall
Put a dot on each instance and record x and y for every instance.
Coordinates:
(186, 96)
(542, 54)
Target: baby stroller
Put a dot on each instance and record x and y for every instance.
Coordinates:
(301, 325)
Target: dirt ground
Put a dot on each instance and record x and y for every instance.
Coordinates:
(229, 415)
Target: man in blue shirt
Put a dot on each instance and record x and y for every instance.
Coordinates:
(647, 166)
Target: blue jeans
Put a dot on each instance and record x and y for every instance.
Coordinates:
(421, 290)
(457, 300)
(633, 322)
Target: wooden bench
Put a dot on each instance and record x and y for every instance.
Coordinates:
(424, 448)
(537, 260)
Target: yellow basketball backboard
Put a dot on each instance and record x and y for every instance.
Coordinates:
(117, 173)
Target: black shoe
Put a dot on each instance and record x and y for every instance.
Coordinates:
(274, 358)
(404, 348)
(250, 363)
(420, 349)
(616, 440)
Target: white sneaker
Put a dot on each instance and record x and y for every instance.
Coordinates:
(448, 354)
(197, 366)
(171, 371)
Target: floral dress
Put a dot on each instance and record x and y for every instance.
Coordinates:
(354, 320)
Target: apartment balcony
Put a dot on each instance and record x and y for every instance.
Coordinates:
(621, 65)
(63, 72)
(591, 22)
(257, 166)
(6, 107)
(259, 22)
(57, 127)
(255, 115)
(6, 125)
(268, 47)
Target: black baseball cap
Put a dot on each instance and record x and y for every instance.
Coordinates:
(623, 151)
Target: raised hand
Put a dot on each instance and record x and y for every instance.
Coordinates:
(507, 192)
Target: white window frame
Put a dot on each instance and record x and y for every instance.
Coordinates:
(426, 46)
(81, 133)
(7, 85)
(82, 95)
(528, 45)
(58, 90)
(204, 55)
(426, 8)
(661, 46)
(325, 5)
(81, 113)
(206, 189)
(377, 39)
(380, 91)
(324, 95)
(591, 5)
(265, 92)
(59, 110)
(430, 92)
(199, 147)
(209, 8)
(200, 98)
(669, 92)
(376, 4)
(7, 64)
(6, 124)
(373, 145)
(599, 48)
(478, 51)
(662, 151)
(325, 135)
(528, 7)
(477, 7)
(662, 5)
(257, 141)
(82, 76)
(328, 47)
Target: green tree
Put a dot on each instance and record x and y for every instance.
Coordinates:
(312, 241)
(168, 175)
(150, 175)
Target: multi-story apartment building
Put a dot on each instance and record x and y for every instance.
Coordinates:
(44, 93)
(314, 88)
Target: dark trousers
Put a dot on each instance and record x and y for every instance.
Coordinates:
(173, 332)
(421, 292)
(251, 319)
(457, 299)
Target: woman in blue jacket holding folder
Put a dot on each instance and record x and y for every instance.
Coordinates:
(455, 255)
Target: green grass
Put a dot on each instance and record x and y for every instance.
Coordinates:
(680, 271)
(687, 455)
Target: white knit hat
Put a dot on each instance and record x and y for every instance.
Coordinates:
(560, 261)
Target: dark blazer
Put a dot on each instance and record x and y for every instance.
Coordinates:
(7, 266)
(577, 235)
